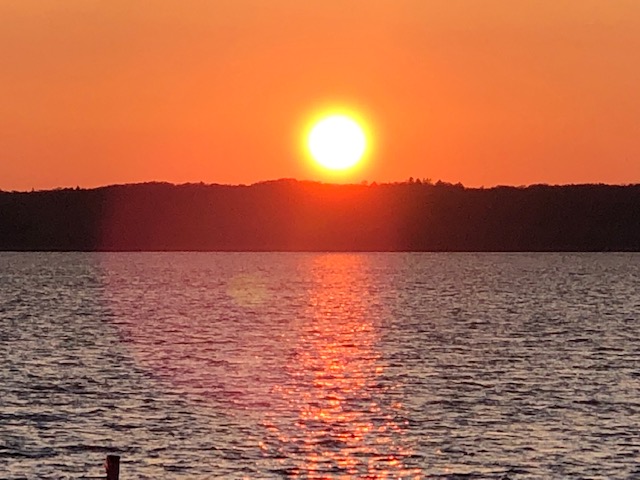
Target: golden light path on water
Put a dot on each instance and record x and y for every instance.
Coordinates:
(282, 360)
(347, 418)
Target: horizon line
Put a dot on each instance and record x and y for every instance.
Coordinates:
(427, 182)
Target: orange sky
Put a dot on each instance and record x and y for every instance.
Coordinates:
(482, 92)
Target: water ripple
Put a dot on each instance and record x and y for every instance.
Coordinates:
(452, 366)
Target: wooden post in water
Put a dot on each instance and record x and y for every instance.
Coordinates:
(112, 465)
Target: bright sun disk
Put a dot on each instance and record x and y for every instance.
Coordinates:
(337, 142)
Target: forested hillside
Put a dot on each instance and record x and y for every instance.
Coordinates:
(306, 216)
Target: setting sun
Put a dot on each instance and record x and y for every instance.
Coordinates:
(337, 142)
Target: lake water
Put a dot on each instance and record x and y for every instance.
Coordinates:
(336, 366)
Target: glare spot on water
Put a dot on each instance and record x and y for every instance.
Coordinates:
(248, 290)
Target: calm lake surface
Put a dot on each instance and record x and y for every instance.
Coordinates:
(276, 365)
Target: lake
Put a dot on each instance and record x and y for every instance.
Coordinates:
(317, 365)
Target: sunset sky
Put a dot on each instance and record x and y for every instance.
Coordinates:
(482, 92)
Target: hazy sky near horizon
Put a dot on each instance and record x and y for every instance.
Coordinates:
(482, 92)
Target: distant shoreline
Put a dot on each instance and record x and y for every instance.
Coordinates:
(412, 181)
(338, 252)
(300, 216)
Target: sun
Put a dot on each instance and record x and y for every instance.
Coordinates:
(337, 142)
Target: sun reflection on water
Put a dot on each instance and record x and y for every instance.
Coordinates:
(288, 366)
(349, 418)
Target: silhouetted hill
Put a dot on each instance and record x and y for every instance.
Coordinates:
(294, 215)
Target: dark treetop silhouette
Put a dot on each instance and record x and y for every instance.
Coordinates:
(289, 215)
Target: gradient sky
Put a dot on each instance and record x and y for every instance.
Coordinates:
(482, 92)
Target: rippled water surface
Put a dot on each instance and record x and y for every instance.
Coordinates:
(379, 366)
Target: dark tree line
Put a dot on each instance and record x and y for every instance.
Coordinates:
(294, 215)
